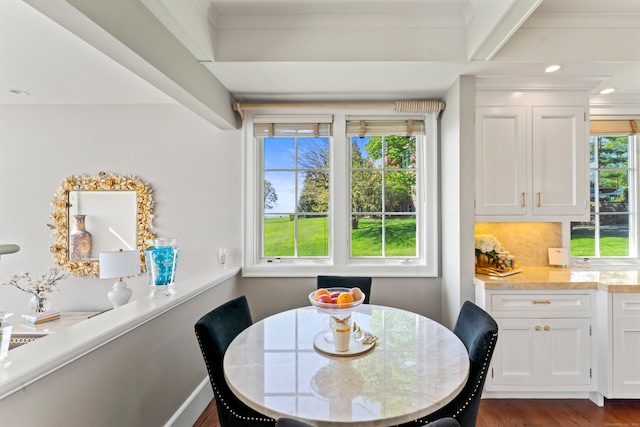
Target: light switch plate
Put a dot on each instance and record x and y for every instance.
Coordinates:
(558, 256)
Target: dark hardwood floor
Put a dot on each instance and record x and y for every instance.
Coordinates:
(529, 413)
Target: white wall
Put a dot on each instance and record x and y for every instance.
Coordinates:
(457, 196)
(195, 174)
(193, 168)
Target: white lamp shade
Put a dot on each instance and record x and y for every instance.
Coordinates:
(119, 264)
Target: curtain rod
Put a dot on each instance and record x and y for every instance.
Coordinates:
(424, 106)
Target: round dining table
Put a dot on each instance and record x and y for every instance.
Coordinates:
(408, 366)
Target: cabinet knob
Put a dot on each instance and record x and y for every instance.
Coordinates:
(538, 328)
(538, 199)
(541, 301)
(547, 328)
(523, 201)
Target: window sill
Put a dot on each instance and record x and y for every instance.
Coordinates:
(288, 269)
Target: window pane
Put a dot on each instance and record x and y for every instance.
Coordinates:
(400, 236)
(366, 235)
(313, 153)
(366, 191)
(400, 152)
(278, 236)
(279, 153)
(611, 180)
(313, 189)
(313, 236)
(366, 152)
(613, 152)
(399, 192)
(614, 235)
(583, 235)
(279, 192)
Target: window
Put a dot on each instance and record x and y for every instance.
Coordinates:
(383, 187)
(354, 193)
(611, 231)
(295, 189)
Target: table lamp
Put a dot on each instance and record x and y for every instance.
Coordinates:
(119, 264)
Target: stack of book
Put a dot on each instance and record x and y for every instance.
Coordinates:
(41, 317)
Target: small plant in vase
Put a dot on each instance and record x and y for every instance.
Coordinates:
(487, 247)
(40, 287)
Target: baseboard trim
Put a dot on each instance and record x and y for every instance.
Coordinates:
(192, 408)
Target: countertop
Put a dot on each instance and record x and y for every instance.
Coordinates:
(557, 278)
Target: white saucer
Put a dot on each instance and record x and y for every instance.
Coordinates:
(323, 345)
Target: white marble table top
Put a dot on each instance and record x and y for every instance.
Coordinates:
(416, 367)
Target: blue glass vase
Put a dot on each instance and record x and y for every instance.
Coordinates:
(162, 260)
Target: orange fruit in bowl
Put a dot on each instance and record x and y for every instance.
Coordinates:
(319, 292)
(345, 299)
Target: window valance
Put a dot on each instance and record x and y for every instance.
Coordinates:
(292, 125)
(614, 127)
(361, 126)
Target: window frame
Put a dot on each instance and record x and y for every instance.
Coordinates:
(339, 260)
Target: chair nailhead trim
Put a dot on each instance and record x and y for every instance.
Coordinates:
(220, 398)
(485, 365)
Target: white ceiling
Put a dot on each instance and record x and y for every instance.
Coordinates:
(311, 50)
(54, 66)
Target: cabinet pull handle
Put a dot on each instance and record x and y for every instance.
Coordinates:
(523, 201)
(541, 302)
(538, 199)
(547, 328)
(538, 328)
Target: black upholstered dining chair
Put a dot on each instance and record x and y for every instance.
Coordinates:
(362, 282)
(443, 422)
(215, 331)
(479, 333)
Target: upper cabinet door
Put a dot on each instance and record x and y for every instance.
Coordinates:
(559, 161)
(501, 160)
(532, 163)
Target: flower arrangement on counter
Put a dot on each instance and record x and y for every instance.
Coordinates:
(488, 245)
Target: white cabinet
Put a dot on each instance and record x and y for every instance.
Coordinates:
(544, 341)
(622, 346)
(501, 160)
(542, 352)
(531, 163)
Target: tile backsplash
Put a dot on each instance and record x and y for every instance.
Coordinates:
(527, 241)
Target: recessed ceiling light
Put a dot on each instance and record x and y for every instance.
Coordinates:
(19, 91)
(607, 91)
(552, 68)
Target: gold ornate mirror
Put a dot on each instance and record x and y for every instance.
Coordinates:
(99, 213)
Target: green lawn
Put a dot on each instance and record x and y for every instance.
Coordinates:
(313, 236)
(613, 244)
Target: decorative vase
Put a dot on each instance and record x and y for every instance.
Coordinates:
(483, 261)
(162, 261)
(80, 240)
(39, 304)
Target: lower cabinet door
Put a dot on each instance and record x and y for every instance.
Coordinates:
(566, 355)
(515, 360)
(538, 352)
(626, 351)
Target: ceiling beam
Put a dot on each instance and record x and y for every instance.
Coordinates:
(490, 24)
(127, 32)
(190, 23)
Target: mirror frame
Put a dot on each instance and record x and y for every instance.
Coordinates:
(100, 182)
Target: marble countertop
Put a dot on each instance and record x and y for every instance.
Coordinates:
(416, 367)
(557, 278)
